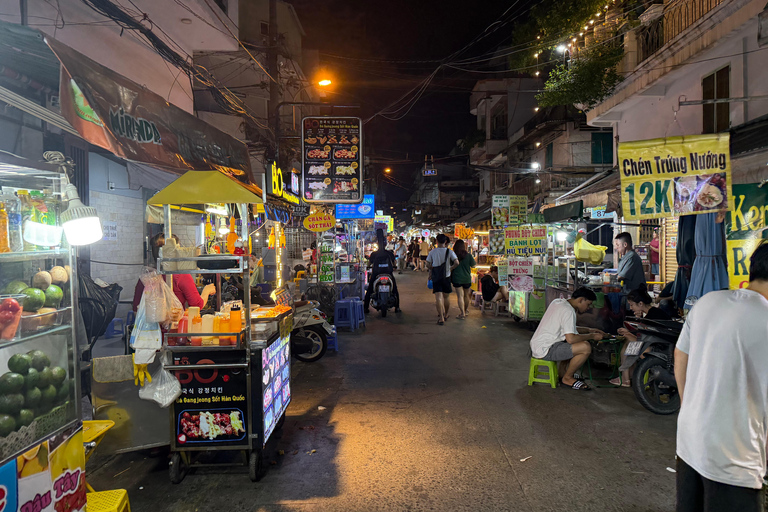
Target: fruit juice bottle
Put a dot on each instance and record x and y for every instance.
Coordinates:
(4, 243)
(13, 209)
(224, 327)
(218, 340)
(235, 322)
(197, 327)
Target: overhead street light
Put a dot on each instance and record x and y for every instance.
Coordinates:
(324, 82)
(387, 170)
(560, 48)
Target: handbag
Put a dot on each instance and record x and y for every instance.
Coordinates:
(439, 273)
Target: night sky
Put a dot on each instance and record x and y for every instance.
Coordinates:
(403, 30)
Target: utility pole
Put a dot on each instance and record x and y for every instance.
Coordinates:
(274, 85)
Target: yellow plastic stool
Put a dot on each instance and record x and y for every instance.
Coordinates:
(534, 372)
(109, 501)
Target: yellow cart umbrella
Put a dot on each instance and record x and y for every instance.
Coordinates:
(200, 187)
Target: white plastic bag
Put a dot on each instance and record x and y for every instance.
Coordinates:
(162, 305)
(164, 388)
(145, 334)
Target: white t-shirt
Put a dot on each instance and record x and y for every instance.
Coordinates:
(401, 250)
(721, 429)
(437, 257)
(559, 319)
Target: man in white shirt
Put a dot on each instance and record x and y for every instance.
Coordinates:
(442, 257)
(401, 252)
(558, 339)
(722, 378)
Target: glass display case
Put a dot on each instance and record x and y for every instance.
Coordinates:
(39, 376)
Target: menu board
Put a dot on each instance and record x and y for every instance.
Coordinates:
(326, 272)
(332, 160)
(526, 240)
(520, 274)
(276, 380)
(364, 210)
(211, 410)
(508, 210)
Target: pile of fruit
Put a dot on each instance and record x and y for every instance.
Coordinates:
(30, 389)
(40, 301)
(10, 315)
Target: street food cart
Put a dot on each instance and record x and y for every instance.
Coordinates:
(235, 379)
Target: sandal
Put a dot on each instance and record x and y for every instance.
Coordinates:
(440, 322)
(616, 382)
(579, 385)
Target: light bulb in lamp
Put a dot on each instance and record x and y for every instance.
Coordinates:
(81, 223)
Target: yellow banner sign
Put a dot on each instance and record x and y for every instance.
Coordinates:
(675, 176)
(745, 230)
(319, 222)
(526, 240)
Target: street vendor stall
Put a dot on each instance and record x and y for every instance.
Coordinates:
(233, 364)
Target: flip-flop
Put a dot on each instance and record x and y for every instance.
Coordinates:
(617, 384)
(579, 385)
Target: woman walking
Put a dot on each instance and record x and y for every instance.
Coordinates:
(462, 278)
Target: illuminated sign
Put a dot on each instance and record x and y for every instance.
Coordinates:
(364, 210)
(276, 185)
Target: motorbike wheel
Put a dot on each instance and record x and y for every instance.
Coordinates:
(319, 343)
(651, 390)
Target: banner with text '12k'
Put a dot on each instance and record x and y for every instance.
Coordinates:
(675, 176)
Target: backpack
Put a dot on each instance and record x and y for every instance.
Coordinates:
(439, 273)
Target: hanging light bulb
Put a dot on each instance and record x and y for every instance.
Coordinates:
(81, 223)
(535, 55)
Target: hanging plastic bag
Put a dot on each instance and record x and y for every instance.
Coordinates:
(164, 388)
(586, 252)
(163, 306)
(145, 334)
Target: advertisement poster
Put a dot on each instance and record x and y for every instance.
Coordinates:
(675, 176)
(502, 264)
(496, 238)
(526, 240)
(276, 382)
(385, 222)
(745, 229)
(325, 273)
(211, 410)
(332, 159)
(506, 210)
(364, 210)
(520, 275)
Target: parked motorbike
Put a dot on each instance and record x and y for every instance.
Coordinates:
(309, 338)
(382, 297)
(653, 380)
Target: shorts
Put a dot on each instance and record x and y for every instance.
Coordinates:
(442, 286)
(559, 351)
(466, 286)
(696, 493)
(423, 258)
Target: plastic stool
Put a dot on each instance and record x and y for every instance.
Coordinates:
(333, 341)
(344, 314)
(502, 309)
(113, 330)
(477, 299)
(360, 313)
(533, 372)
(108, 501)
(130, 318)
(488, 305)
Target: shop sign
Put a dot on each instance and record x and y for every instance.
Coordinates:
(127, 119)
(508, 210)
(526, 240)
(320, 221)
(745, 230)
(426, 233)
(429, 172)
(326, 272)
(535, 218)
(211, 410)
(276, 380)
(520, 274)
(675, 176)
(461, 231)
(332, 159)
(277, 187)
(364, 210)
(385, 222)
(597, 212)
(301, 210)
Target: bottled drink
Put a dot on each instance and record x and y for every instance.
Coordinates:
(208, 328)
(27, 214)
(197, 328)
(182, 328)
(235, 322)
(13, 208)
(4, 246)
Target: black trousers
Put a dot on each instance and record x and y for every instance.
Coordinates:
(369, 291)
(698, 494)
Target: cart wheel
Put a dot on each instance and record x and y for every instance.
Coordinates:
(517, 318)
(256, 466)
(176, 468)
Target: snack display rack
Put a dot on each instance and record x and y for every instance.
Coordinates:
(41, 445)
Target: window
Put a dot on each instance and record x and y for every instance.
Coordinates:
(499, 125)
(549, 153)
(713, 87)
(264, 28)
(602, 148)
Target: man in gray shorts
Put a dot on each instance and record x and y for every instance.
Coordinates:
(558, 339)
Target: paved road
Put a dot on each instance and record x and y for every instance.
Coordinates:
(425, 417)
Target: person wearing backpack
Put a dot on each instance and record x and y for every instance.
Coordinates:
(440, 262)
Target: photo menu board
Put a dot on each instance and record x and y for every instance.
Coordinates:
(332, 160)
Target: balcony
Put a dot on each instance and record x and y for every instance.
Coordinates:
(485, 153)
(681, 14)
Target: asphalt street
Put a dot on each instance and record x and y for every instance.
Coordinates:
(410, 415)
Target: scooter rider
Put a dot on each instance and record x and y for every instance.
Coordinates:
(382, 262)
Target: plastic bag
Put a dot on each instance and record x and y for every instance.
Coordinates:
(162, 305)
(586, 252)
(145, 334)
(97, 305)
(164, 388)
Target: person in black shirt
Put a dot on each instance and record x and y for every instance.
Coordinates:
(382, 262)
(490, 288)
(641, 305)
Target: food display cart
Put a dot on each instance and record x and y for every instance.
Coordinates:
(41, 439)
(235, 379)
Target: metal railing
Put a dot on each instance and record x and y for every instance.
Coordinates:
(680, 15)
(650, 39)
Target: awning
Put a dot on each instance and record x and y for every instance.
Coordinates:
(471, 215)
(200, 187)
(119, 115)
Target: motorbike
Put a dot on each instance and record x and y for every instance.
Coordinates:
(309, 338)
(654, 381)
(382, 297)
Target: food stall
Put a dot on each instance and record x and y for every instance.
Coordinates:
(233, 365)
(41, 437)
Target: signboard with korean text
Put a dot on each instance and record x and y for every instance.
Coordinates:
(508, 210)
(364, 210)
(332, 159)
(277, 186)
(526, 240)
(745, 230)
(675, 176)
(212, 408)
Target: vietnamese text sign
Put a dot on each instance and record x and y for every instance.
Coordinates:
(384, 220)
(332, 168)
(319, 222)
(526, 240)
(326, 272)
(675, 176)
(520, 274)
(745, 229)
(364, 210)
(508, 210)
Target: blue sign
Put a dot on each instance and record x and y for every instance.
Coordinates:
(364, 210)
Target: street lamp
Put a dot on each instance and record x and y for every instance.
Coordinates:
(324, 82)
(536, 165)
(560, 48)
(387, 170)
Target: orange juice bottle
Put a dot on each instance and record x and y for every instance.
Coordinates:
(235, 322)
(197, 327)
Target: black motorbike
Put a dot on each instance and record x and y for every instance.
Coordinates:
(653, 380)
(382, 297)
